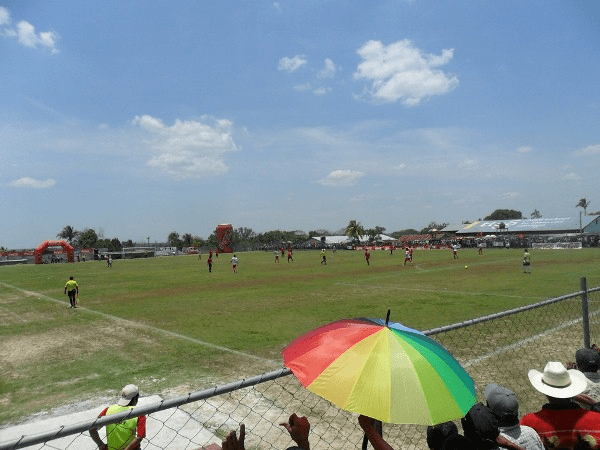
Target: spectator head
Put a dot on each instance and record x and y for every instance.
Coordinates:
(128, 394)
(588, 360)
(503, 403)
(480, 426)
(437, 434)
(558, 382)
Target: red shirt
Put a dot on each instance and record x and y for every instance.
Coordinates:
(559, 425)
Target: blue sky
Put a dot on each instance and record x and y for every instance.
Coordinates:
(139, 118)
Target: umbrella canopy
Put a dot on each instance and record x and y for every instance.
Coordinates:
(383, 370)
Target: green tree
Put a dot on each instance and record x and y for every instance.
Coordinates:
(354, 230)
(536, 214)
(583, 203)
(187, 240)
(407, 232)
(173, 239)
(374, 233)
(434, 227)
(87, 238)
(69, 233)
(243, 237)
(212, 241)
(504, 214)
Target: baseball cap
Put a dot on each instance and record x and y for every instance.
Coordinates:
(480, 424)
(502, 401)
(588, 360)
(127, 393)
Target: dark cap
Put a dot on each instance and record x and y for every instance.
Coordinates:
(587, 360)
(480, 425)
(503, 403)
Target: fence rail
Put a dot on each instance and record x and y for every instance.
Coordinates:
(497, 348)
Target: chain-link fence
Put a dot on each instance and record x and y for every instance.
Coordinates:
(499, 348)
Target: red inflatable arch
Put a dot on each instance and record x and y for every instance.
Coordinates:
(37, 254)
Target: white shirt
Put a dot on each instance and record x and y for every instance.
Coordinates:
(523, 435)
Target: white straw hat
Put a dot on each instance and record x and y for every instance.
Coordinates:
(558, 382)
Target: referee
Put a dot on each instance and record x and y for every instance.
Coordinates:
(72, 288)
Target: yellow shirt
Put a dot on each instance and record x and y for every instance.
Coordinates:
(71, 285)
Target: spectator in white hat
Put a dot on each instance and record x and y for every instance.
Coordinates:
(503, 403)
(125, 435)
(562, 423)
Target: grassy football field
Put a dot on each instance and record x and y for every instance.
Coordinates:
(171, 327)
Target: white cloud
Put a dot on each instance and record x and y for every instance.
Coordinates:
(291, 64)
(341, 178)
(322, 90)
(589, 150)
(25, 33)
(402, 72)
(328, 70)
(302, 87)
(28, 182)
(188, 149)
(468, 164)
(4, 16)
(524, 149)
(571, 177)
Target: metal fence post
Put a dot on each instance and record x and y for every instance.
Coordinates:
(585, 314)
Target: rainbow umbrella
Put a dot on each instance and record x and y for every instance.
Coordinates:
(383, 370)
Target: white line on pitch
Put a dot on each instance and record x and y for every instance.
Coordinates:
(140, 325)
(521, 343)
(444, 291)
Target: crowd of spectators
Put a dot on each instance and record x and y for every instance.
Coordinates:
(569, 420)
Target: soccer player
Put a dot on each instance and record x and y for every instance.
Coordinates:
(367, 256)
(407, 256)
(526, 262)
(234, 263)
(455, 251)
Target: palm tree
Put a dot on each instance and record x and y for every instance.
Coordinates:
(69, 233)
(583, 203)
(354, 230)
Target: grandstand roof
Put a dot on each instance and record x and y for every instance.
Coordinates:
(543, 225)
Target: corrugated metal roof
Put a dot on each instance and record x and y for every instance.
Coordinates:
(559, 224)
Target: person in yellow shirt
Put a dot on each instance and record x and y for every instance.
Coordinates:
(72, 289)
(125, 435)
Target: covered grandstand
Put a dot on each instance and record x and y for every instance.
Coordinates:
(525, 232)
